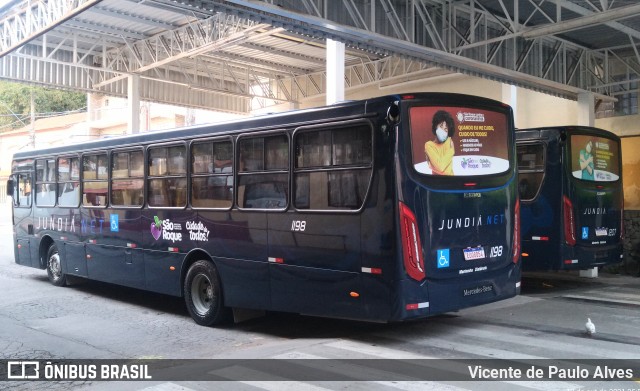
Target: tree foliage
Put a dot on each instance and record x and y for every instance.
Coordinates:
(15, 103)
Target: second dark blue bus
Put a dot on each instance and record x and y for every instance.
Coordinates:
(570, 184)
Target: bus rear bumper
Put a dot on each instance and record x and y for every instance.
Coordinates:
(579, 258)
(434, 297)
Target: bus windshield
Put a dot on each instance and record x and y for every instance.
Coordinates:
(594, 158)
(458, 141)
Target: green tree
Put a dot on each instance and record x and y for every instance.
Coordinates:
(15, 103)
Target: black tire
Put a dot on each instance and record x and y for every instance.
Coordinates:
(54, 267)
(203, 295)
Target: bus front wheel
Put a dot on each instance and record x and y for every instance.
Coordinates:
(54, 267)
(203, 294)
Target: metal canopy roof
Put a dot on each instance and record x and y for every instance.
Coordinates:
(236, 55)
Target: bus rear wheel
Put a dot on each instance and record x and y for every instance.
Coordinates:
(203, 294)
(54, 267)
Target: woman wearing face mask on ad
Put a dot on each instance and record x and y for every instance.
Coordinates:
(586, 161)
(440, 151)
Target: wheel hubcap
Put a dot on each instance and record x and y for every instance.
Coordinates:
(202, 294)
(54, 266)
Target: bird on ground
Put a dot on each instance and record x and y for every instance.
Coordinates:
(590, 327)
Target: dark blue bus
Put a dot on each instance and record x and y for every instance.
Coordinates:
(385, 209)
(570, 184)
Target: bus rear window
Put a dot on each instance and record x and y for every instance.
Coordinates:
(595, 158)
(458, 141)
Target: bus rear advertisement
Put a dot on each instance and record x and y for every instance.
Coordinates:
(386, 209)
(470, 210)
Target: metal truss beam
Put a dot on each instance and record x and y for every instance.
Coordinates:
(190, 40)
(588, 19)
(633, 10)
(135, 17)
(79, 77)
(36, 18)
(382, 73)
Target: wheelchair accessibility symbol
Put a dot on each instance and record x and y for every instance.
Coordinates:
(585, 233)
(113, 220)
(443, 258)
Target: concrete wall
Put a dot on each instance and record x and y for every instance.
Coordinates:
(631, 172)
(626, 125)
(533, 108)
(631, 183)
(536, 109)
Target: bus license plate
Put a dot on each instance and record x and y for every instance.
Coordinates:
(472, 253)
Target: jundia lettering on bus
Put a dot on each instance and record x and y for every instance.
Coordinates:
(468, 222)
(91, 226)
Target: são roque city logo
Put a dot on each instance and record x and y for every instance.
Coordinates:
(167, 229)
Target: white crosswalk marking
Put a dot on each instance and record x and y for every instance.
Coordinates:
(273, 382)
(597, 296)
(298, 355)
(476, 350)
(376, 351)
(420, 386)
(546, 385)
(284, 386)
(167, 387)
(561, 346)
(382, 352)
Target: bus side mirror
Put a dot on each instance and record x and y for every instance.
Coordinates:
(563, 137)
(393, 113)
(10, 187)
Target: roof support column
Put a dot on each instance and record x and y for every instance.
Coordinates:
(587, 117)
(510, 97)
(586, 109)
(133, 100)
(335, 71)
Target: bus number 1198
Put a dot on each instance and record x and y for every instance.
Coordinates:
(298, 225)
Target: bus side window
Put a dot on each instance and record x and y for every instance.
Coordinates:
(127, 183)
(263, 178)
(212, 174)
(167, 180)
(22, 190)
(333, 167)
(68, 182)
(94, 180)
(531, 164)
(45, 182)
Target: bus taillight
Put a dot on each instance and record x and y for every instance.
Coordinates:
(411, 244)
(569, 222)
(516, 232)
